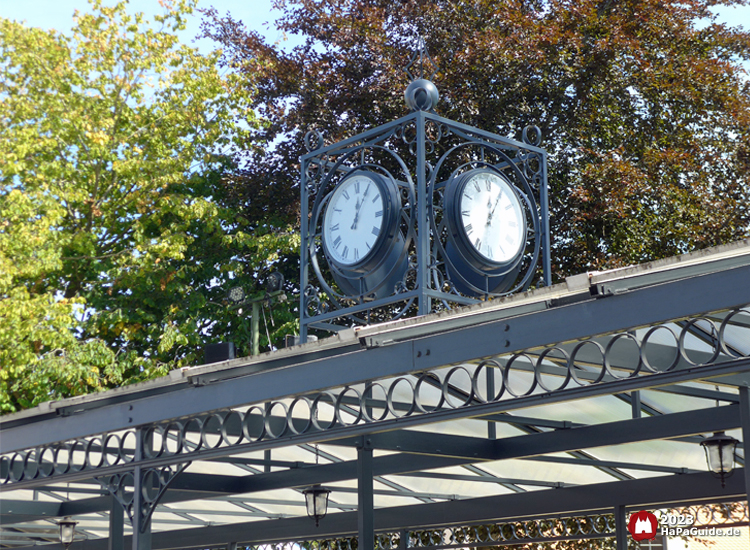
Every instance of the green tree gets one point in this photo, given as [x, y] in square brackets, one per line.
[116, 244]
[644, 105]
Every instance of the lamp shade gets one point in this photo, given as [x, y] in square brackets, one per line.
[316, 500]
[720, 449]
[67, 531]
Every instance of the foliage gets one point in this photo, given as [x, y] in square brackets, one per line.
[116, 242]
[644, 104]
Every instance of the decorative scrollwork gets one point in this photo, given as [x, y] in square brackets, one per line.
[152, 484]
[313, 140]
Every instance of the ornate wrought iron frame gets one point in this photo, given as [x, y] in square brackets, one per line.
[420, 151]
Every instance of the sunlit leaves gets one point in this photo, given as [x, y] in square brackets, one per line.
[113, 234]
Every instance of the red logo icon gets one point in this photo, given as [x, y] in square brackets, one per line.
[643, 525]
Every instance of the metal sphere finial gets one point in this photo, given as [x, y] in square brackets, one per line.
[421, 95]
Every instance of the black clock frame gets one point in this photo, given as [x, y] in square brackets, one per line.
[389, 229]
[453, 191]
[376, 275]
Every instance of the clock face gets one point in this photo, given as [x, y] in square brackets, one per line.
[491, 217]
[353, 219]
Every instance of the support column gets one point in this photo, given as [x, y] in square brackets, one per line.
[635, 403]
[621, 528]
[365, 506]
[140, 521]
[745, 418]
[116, 526]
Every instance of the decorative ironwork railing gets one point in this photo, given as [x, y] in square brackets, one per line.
[489, 386]
[522, 532]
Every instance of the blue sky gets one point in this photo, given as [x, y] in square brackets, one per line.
[255, 14]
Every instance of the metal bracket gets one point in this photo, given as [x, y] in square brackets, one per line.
[151, 484]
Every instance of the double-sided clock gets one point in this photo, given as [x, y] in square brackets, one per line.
[361, 236]
[487, 230]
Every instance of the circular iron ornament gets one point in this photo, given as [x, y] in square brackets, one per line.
[369, 387]
[540, 375]
[125, 488]
[269, 419]
[430, 379]
[194, 425]
[714, 335]
[291, 421]
[644, 352]
[608, 365]
[46, 468]
[173, 434]
[447, 388]
[320, 399]
[340, 407]
[111, 449]
[151, 435]
[532, 135]
[30, 466]
[231, 431]
[506, 376]
[212, 427]
[150, 485]
[488, 366]
[722, 338]
[62, 465]
[94, 453]
[572, 365]
[391, 404]
[260, 417]
[77, 448]
[313, 140]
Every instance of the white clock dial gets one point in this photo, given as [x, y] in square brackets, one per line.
[353, 219]
[491, 217]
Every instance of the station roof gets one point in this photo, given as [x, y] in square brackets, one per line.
[568, 399]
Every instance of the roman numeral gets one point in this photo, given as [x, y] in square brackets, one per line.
[356, 254]
[476, 186]
[478, 244]
[376, 197]
[346, 194]
[375, 230]
[489, 185]
[379, 214]
[345, 253]
[489, 252]
[509, 206]
[469, 229]
[464, 212]
[337, 242]
[335, 227]
[467, 196]
[356, 187]
[509, 238]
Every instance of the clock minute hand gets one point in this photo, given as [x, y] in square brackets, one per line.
[356, 214]
[499, 196]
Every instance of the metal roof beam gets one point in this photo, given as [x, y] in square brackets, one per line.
[652, 304]
[652, 492]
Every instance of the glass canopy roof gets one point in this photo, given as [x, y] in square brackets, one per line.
[563, 401]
